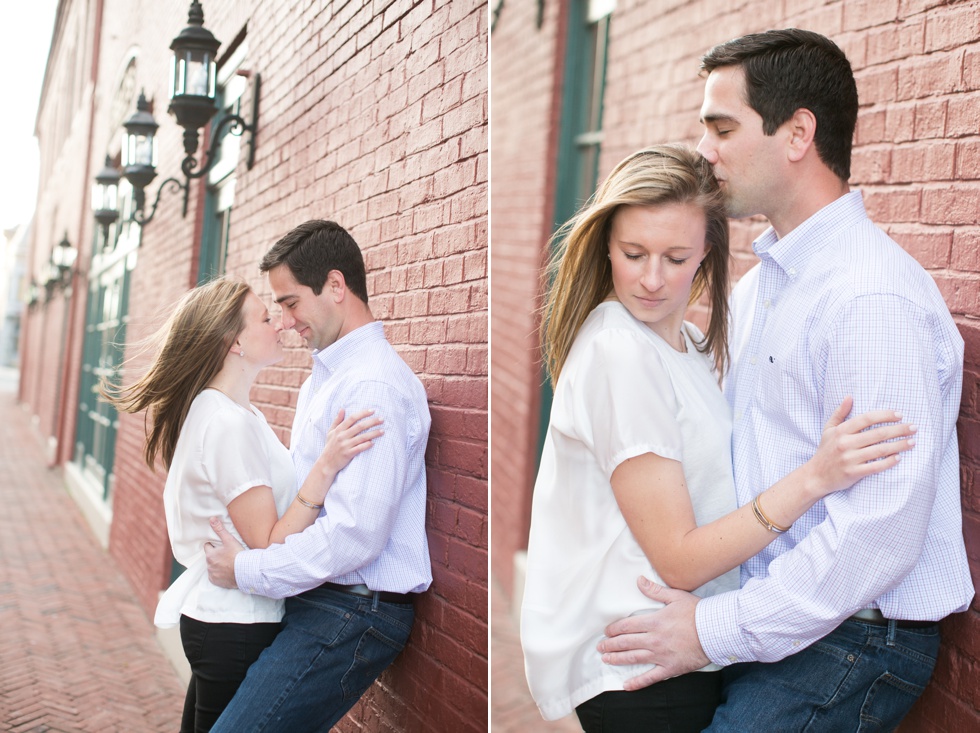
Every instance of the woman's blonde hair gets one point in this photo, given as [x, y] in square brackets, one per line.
[580, 270]
[193, 344]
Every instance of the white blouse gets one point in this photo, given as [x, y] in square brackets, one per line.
[223, 451]
[623, 392]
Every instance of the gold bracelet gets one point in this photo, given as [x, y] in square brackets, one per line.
[764, 520]
[304, 502]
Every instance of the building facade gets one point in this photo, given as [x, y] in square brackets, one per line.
[14, 292]
[576, 86]
[373, 114]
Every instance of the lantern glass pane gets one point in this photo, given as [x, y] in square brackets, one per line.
[144, 150]
[173, 76]
[68, 256]
[212, 76]
[194, 73]
[105, 197]
[138, 149]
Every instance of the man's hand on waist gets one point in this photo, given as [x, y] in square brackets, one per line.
[667, 638]
[221, 557]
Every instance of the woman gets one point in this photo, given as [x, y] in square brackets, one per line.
[224, 460]
[636, 473]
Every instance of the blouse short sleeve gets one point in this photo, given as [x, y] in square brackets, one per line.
[627, 400]
[235, 455]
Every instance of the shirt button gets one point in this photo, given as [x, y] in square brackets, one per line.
[738, 414]
[752, 360]
[796, 643]
[767, 303]
[792, 272]
[733, 659]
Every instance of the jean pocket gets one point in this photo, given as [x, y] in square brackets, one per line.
[326, 622]
[888, 701]
[374, 652]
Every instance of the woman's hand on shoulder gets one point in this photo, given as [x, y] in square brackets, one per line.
[851, 450]
[348, 437]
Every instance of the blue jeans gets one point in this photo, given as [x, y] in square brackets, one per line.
[331, 649]
[861, 677]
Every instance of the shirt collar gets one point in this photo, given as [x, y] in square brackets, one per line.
[348, 347]
[792, 252]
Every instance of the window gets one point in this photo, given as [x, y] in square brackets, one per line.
[580, 136]
[102, 356]
[221, 179]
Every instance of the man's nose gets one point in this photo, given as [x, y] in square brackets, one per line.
[707, 150]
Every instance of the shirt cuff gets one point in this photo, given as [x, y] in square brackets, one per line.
[717, 625]
[247, 571]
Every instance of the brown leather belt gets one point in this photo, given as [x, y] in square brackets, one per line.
[364, 592]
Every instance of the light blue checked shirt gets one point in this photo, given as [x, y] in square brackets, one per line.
[836, 308]
[371, 529]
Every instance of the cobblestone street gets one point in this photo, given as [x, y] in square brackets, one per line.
[77, 653]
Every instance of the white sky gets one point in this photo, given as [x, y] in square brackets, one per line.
[25, 37]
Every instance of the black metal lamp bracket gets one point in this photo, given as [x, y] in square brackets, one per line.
[236, 125]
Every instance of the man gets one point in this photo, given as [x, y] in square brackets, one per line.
[845, 603]
[350, 578]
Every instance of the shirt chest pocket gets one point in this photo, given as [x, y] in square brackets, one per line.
[784, 384]
[307, 443]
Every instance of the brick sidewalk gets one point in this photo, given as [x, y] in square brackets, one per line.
[512, 710]
[77, 653]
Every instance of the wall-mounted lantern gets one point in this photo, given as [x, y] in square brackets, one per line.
[192, 102]
[59, 268]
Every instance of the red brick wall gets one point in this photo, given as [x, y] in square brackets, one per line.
[374, 115]
[526, 79]
[917, 65]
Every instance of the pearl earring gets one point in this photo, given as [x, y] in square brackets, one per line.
[241, 352]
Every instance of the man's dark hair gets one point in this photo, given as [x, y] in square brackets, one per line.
[313, 249]
[786, 70]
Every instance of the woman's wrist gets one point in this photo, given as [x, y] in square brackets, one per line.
[812, 486]
[318, 482]
[308, 504]
[765, 520]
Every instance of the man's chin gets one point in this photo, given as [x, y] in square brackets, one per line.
[735, 210]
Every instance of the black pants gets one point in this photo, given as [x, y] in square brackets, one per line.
[682, 704]
[219, 655]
